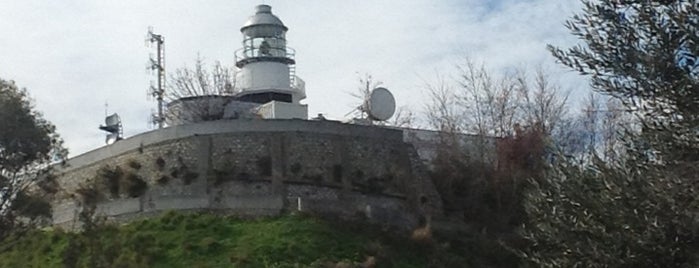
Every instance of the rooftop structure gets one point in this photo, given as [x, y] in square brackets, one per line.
[266, 85]
[266, 73]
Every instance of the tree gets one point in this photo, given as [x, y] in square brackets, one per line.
[367, 83]
[402, 117]
[594, 131]
[643, 53]
[186, 82]
[28, 144]
[442, 112]
[207, 86]
[639, 210]
[493, 132]
[544, 104]
[491, 103]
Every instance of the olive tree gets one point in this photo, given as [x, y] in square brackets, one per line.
[640, 209]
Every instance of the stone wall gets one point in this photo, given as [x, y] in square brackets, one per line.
[427, 143]
[252, 168]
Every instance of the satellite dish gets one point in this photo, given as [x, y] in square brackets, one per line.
[112, 138]
[112, 120]
[113, 126]
[381, 105]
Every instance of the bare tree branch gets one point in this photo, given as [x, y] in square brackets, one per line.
[187, 83]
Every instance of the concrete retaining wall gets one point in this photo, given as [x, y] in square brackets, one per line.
[253, 168]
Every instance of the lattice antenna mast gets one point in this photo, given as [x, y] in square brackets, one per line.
[157, 64]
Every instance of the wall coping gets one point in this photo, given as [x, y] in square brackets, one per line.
[228, 126]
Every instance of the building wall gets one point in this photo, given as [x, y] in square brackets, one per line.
[263, 75]
[428, 142]
[253, 168]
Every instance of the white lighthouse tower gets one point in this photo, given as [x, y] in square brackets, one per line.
[266, 73]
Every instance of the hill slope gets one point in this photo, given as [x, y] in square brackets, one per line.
[204, 240]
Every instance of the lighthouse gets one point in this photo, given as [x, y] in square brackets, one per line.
[266, 68]
[266, 85]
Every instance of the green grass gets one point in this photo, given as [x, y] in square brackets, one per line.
[205, 240]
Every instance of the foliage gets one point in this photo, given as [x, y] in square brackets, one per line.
[480, 103]
[209, 87]
[205, 240]
[442, 111]
[119, 182]
[403, 116]
[481, 177]
[366, 84]
[134, 185]
[28, 143]
[512, 117]
[487, 193]
[595, 131]
[612, 215]
[111, 179]
[644, 54]
[186, 82]
[641, 209]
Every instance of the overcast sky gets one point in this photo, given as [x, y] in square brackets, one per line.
[75, 55]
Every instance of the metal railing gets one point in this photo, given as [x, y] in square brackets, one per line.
[285, 55]
[271, 52]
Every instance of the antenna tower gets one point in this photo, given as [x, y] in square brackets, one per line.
[157, 64]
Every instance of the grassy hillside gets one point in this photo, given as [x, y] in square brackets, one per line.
[204, 240]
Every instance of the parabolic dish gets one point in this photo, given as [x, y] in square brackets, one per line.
[112, 138]
[112, 120]
[381, 105]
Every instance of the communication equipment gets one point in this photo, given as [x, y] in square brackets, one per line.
[112, 138]
[157, 64]
[380, 105]
[155, 118]
[113, 127]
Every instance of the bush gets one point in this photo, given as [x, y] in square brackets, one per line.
[111, 179]
[135, 185]
[635, 214]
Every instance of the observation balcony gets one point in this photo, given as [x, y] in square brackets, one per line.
[247, 55]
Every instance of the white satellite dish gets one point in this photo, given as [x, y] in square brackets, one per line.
[112, 138]
[114, 127]
[112, 120]
[381, 105]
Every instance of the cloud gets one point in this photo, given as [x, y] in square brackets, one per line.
[76, 55]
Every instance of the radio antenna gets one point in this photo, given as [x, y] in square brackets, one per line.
[157, 64]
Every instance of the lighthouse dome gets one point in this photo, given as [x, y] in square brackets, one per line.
[263, 16]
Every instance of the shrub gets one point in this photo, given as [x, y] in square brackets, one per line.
[163, 180]
[31, 206]
[88, 194]
[160, 163]
[134, 164]
[135, 185]
[111, 178]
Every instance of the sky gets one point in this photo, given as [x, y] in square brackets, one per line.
[75, 56]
